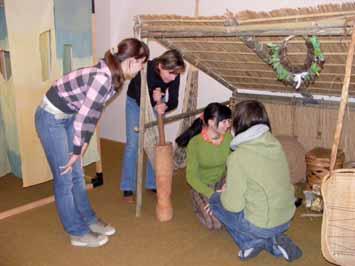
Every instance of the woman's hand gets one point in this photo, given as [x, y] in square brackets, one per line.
[161, 108]
[208, 210]
[157, 95]
[222, 189]
[72, 160]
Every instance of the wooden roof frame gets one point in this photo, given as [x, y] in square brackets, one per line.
[198, 37]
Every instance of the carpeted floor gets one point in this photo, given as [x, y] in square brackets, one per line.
[36, 238]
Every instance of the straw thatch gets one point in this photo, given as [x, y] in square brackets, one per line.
[223, 47]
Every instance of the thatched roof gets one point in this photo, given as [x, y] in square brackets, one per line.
[222, 46]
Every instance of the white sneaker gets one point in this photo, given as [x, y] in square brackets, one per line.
[102, 228]
[90, 239]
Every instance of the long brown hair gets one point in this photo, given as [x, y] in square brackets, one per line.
[247, 114]
[127, 48]
[171, 60]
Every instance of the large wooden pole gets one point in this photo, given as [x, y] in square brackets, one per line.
[140, 160]
[343, 102]
[98, 180]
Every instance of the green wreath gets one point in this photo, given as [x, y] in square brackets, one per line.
[297, 77]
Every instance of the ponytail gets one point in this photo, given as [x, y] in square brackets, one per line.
[116, 70]
[192, 131]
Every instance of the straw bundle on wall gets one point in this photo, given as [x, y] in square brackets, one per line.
[313, 126]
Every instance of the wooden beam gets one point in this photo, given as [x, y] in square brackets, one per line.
[177, 117]
[32, 205]
[334, 26]
[140, 159]
[343, 102]
[221, 19]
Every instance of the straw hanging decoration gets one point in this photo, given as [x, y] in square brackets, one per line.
[297, 77]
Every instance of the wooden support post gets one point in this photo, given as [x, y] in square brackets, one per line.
[343, 102]
[32, 205]
[98, 179]
[140, 161]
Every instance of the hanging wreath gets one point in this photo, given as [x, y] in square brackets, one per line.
[297, 77]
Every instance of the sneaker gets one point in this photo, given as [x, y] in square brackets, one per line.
[249, 253]
[288, 249]
[102, 228]
[90, 239]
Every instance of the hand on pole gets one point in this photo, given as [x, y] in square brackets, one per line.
[157, 95]
[161, 108]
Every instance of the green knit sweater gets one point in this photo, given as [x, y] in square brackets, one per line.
[206, 163]
[258, 182]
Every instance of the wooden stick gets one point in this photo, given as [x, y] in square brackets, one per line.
[248, 21]
[334, 26]
[98, 163]
[32, 205]
[140, 160]
[197, 8]
[343, 102]
[161, 130]
[237, 42]
[179, 116]
[160, 125]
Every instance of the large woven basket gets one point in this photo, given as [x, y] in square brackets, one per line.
[338, 226]
[318, 163]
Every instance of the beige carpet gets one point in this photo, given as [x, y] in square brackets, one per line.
[36, 237]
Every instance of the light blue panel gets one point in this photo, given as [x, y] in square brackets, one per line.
[9, 137]
[72, 20]
[3, 30]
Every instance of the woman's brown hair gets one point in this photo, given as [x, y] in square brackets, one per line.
[171, 60]
[247, 114]
[127, 48]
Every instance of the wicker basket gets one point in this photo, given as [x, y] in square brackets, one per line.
[318, 163]
[338, 225]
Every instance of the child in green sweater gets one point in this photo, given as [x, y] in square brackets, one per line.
[207, 142]
[257, 202]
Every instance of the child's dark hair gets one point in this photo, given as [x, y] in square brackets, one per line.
[216, 111]
[247, 114]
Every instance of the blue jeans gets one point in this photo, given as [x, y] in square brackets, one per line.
[70, 193]
[245, 234]
[129, 170]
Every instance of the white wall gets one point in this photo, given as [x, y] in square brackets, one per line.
[119, 15]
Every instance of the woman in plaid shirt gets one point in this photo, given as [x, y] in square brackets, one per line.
[65, 122]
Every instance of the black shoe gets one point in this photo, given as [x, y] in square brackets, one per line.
[127, 193]
[153, 190]
[298, 202]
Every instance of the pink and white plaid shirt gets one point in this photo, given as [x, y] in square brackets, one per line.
[86, 91]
